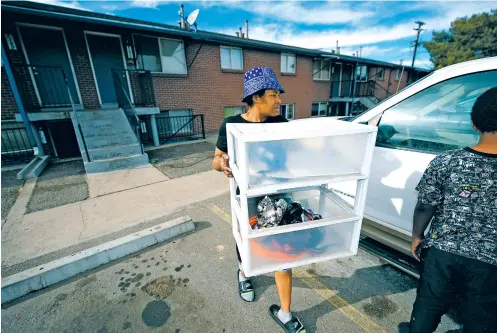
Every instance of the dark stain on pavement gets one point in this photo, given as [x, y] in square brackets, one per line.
[177, 330]
[137, 278]
[178, 269]
[126, 325]
[156, 313]
[56, 303]
[380, 307]
[86, 281]
[160, 288]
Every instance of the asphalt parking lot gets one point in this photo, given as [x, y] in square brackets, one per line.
[189, 285]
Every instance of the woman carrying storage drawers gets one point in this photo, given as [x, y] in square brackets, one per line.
[262, 95]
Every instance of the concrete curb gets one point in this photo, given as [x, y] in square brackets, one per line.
[34, 168]
[42, 276]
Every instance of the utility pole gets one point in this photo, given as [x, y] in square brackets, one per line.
[418, 29]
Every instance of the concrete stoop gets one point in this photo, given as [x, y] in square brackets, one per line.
[110, 141]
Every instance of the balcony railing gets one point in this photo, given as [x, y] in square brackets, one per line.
[16, 147]
[43, 87]
[370, 89]
[142, 86]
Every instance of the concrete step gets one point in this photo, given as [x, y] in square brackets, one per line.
[104, 124]
[114, 114]
[116, 163]
[99, 133]
[106, 141]
[114, 152]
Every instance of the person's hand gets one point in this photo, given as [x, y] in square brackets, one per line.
[225, 165]
[415, 243]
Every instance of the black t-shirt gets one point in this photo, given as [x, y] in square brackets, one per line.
[222, 141]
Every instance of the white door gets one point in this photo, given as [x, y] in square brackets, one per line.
[410, 134]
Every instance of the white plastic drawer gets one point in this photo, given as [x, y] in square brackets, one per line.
[302, 247]
[321, 201]
[285, 161]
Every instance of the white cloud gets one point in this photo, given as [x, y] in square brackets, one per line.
[293, 11]
[324, 39]
[446, 12]
[145, 3]
[423, 63]
[68, 4]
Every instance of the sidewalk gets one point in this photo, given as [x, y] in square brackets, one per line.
[43, 232]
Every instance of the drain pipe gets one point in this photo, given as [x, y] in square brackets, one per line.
[33, 139]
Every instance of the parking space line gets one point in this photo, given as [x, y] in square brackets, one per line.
[330, 296]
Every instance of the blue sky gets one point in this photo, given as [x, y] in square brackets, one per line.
[383, 29]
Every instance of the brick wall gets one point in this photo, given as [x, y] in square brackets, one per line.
[207, 89]
[390, 77]
[9, 107]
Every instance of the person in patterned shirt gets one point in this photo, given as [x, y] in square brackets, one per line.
[458, 194]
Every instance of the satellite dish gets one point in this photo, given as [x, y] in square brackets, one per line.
[192, 18]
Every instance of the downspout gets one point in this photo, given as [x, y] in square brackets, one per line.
[37, 145]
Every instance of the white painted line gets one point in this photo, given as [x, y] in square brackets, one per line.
[42, 276]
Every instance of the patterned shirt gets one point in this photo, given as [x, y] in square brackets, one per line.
[463, 184]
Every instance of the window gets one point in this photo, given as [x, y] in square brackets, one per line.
[160, 54]
[288, 63]
[288, 111]
[231, 58]
[233, 111]
[361, 73]
[398, 75]
[437, 118]
[319, 109]
[321, 70]
[381, 74]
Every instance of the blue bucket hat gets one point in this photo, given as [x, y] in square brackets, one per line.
[259, 78]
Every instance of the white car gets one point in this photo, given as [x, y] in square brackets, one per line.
[426, 118]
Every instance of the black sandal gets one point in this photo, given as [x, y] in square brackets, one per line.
[292, 326]
[244, 287]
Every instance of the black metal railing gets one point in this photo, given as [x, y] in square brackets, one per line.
[124, 102]
[370, 89]
[49, 89]
[142, 86]
[16, 147]
[180, 128]
[75, 117]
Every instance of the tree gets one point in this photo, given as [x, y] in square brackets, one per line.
[467, 39]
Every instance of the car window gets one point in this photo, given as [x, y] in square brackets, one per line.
[435, 119]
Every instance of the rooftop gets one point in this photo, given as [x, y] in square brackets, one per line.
[46, 10]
